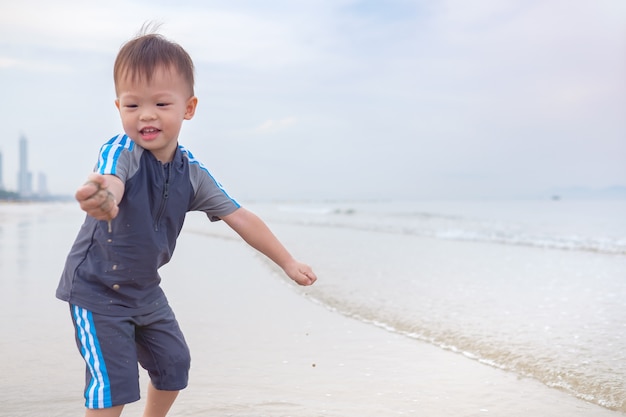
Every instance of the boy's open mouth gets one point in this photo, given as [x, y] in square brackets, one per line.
[148, 133]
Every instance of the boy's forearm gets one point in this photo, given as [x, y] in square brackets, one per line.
[256, 233]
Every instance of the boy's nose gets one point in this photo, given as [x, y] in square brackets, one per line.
[147, 115]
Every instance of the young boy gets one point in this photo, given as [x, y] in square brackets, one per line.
[136, 201]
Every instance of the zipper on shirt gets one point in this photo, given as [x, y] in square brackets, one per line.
[167, 171]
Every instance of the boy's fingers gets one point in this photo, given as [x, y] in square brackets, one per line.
[100, 205]
[98, 179]
[309, 276]
[109, 202]
[87, 191]
[94, 198]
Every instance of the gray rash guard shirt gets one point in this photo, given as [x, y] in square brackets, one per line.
[116, 272]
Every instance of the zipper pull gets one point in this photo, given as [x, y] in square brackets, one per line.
[168, 172]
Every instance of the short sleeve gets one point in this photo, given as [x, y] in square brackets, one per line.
[117, 158]
[209, 195]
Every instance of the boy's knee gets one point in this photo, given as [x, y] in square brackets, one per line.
[174, 375]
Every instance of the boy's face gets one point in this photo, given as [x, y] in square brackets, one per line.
[153, 113]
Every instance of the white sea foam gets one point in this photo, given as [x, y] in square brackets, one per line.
[534, 288]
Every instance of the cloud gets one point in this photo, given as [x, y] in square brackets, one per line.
[214, 34]
[8, 63]
[273, 126]
[64, 24]
[416, 88]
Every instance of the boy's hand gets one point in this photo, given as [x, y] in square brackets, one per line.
[300, 273]
[256, 233]
[95, 198]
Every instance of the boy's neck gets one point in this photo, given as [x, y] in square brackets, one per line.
[162, 157]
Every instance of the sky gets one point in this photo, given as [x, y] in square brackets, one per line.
[337, 99]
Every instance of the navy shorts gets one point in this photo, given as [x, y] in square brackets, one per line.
[113, 346]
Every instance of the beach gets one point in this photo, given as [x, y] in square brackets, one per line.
[260, 345]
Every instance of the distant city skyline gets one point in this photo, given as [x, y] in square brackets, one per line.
[1, 170]
[24, 176]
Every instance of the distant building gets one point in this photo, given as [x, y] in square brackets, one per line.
[42, 185]
[24, 177]
[1, 170]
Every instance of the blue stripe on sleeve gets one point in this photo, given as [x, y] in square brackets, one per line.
[193, 160]
[110, 153]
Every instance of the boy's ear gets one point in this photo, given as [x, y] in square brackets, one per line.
[117, 103]
[190, 110]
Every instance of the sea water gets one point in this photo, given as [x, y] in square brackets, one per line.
[537, 288]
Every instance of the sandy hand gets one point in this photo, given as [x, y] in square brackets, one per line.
[96, 200]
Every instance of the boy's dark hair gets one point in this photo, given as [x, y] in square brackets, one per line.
[141, 56]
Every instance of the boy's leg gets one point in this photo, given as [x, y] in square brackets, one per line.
[158, 402]
[105, 412]
[107, 345]
[163, 352]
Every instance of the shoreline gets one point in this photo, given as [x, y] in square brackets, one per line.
[259, 346]
[279, 351]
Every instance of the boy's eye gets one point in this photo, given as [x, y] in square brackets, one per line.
[162, 104]
[130, 106]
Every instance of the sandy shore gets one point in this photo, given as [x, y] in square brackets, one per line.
[260, 347]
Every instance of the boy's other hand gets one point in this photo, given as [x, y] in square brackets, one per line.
[95, 198]
[301, 273]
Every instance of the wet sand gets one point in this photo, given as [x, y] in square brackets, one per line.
[260, 347]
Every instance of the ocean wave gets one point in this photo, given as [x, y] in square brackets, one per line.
[569, 242]
[609, 394]
[544, 314]
[449, 227]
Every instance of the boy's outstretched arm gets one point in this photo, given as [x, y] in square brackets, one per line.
[100, 195]
[256, 233]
